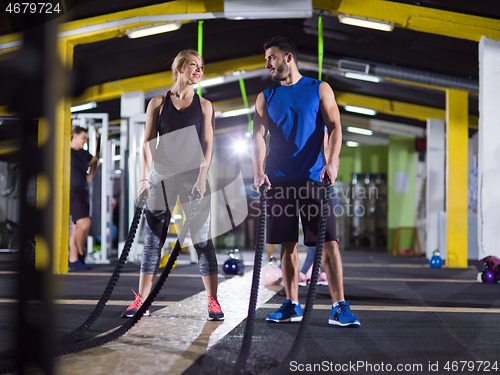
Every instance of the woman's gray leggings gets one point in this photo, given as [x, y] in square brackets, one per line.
[163, 194]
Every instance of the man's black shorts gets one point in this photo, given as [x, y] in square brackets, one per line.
[78, 204]
[287, 201]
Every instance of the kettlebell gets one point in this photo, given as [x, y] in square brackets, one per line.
[272, 274]
[234, 264]
[436, 261]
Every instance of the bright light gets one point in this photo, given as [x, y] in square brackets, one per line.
[362, 77]
[237, 112]
[352, 144]
[83, 107]
[240, 146]
[352, 129]
[365, 22]
[146, 31]
[361, 110]
[210, 82]
[248, 134]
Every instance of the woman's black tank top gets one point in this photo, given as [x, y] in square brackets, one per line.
[179, 133]
[172, 119]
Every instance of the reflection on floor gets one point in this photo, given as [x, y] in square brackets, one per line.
[171, 339]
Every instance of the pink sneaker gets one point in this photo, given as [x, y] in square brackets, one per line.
[303, 280]
[214, 310]
[322, 280]
[134, 306]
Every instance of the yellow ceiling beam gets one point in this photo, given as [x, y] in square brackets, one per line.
[114, 90]
[417, 18]
[234, 65]
[114, 25]
[395, 108]
[172, 7]
[231, 104]
[163, 80]
[5, 112]
[411, 17]
[423, 85]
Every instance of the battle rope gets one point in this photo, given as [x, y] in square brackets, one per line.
[311, 294]
[98, 341]
[240, 365]
[72, 336]
[250, 323]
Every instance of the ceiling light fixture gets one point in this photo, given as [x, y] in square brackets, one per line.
[352, 129]
[362, 77]
[366, 22]
[352, 144]
[83, 107]
[237, 112]
[210, 82]
[152, 30]
[360, 110]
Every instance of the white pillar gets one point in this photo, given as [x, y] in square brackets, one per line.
[489, 148]
[435, 186]
[132, 103]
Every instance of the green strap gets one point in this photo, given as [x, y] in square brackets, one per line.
[245, 101]
[200, 48]
[320, 46]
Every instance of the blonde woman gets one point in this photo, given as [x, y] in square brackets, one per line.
[176, 156]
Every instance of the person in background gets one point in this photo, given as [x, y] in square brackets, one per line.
[81, 175]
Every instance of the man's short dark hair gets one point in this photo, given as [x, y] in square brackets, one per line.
[77, 130]
[284, 44]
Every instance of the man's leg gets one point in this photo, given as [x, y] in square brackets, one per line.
[290, 311]
[73, 246]
[290, 265]
[81, 234]
[340, 313]
[332, 263]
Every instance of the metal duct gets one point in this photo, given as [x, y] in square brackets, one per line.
[407, 74]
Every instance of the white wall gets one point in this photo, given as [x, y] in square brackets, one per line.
[435, 187]
[489, 148]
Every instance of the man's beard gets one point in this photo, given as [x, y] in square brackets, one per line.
[280, 72]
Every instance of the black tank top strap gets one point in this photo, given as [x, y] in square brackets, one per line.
[171, 119]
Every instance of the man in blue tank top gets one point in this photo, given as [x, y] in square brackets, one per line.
[295, 111]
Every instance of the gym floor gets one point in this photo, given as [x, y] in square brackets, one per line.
[414, 320]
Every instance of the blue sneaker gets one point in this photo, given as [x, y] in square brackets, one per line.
[288, 312]
[342, 316]
[77, 266]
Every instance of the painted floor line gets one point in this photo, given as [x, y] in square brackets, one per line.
[88, 302]
[412, 279]
[398, 265]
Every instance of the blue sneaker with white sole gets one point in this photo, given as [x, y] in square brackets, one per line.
[288, 313]
[341, 316]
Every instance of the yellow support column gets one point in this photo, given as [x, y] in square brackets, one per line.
[456, 177]
[62, 162]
